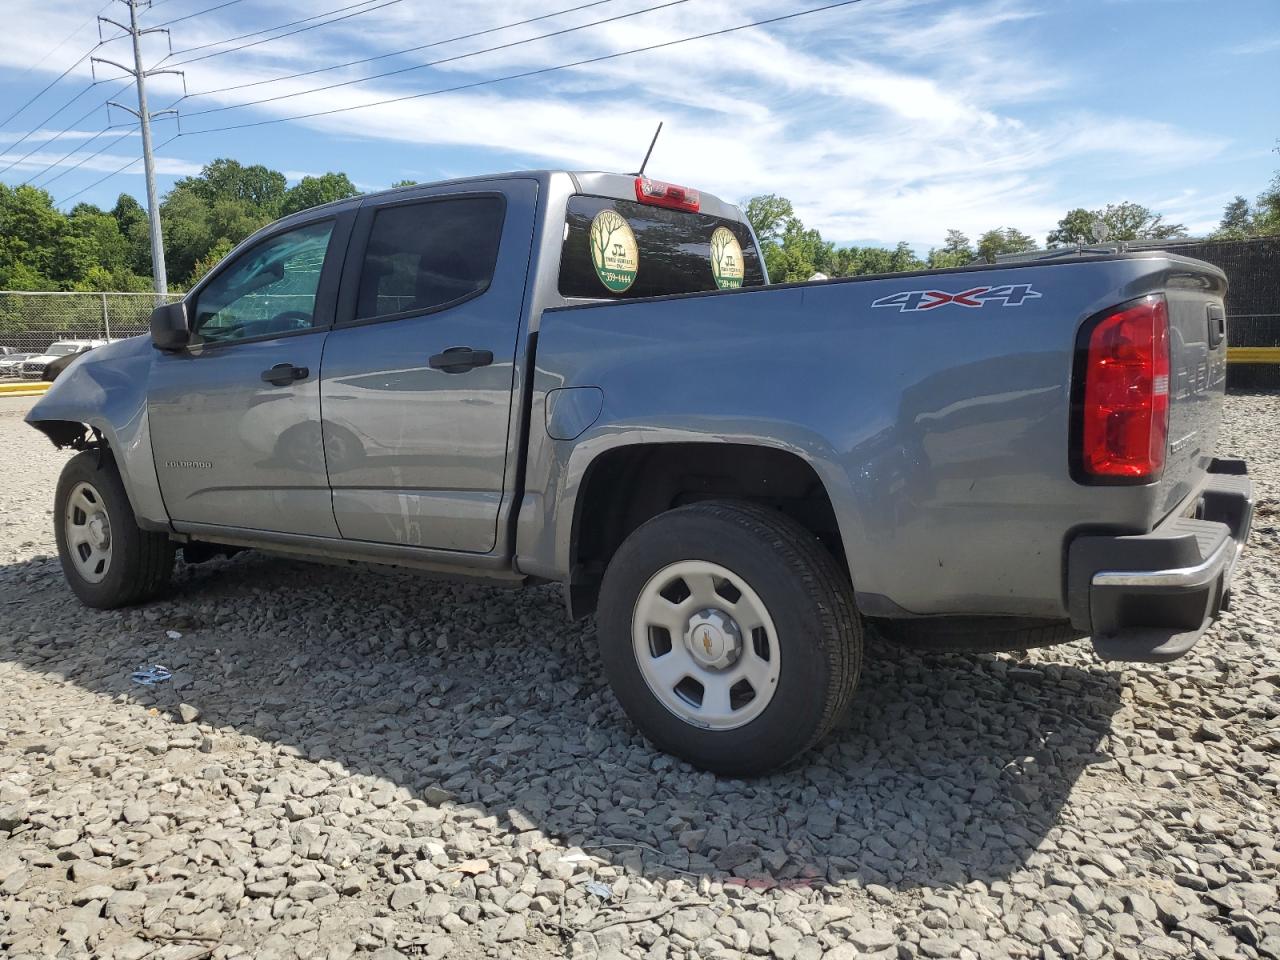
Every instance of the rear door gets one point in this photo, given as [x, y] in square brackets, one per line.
[417, 381]
[235, 416]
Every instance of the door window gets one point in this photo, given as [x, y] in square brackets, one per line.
[423, 256]
[270, 289]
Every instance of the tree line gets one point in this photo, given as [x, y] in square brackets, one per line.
[793, 251]
[203, 217]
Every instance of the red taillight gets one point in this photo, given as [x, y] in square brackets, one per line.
[661, 194]
[1125, 417]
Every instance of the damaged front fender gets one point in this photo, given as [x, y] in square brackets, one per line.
[102, 398]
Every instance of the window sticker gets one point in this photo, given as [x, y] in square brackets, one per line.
[726, 259]
[614, 251]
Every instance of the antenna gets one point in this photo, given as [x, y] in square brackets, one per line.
[647, 153]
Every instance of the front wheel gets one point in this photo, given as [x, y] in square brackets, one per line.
[107, 559]
[729, 636]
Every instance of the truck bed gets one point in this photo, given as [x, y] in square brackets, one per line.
[939, 429]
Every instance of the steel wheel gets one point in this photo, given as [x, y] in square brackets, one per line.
[706, 645]
[88, 530]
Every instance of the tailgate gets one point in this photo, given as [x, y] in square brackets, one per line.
[1197, 375]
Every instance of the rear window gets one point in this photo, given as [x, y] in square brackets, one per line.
[623, 249]
[426, 255]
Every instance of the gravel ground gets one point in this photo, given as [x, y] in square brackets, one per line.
[351, 762]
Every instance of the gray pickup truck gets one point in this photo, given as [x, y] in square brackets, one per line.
[586, 378]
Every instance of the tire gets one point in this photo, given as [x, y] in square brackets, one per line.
[805, 656]
[137, 564]
[976, 634]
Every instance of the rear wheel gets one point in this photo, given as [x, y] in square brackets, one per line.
[107, 559]
[729, 636]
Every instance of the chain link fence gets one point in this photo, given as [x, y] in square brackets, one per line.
[31, 322]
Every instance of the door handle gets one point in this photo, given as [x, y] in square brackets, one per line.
[460, 359]
[283, 374]
[1217, 324]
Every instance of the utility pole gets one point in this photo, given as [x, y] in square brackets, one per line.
[140, 75]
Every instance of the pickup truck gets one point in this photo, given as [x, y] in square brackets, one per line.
[586, 378]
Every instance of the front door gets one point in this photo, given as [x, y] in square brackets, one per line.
[418, 373]
[235, 417]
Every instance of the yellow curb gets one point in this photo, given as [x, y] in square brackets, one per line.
[1253, 355]
[30, 388]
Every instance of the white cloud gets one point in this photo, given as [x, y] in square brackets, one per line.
[102, 163]
[43, 136]
[886, 120]
[1263, 44]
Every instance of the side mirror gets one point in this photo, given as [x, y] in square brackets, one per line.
[169, 327]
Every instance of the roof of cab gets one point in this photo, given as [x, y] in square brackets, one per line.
[618, 185]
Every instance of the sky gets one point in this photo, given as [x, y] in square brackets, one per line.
[881, 120]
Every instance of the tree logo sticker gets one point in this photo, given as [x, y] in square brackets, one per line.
[726, 259]
[614, 251]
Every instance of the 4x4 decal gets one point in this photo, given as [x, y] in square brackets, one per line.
[1009, 295]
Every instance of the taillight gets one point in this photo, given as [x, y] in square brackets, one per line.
[1123, 426]
[661, 194]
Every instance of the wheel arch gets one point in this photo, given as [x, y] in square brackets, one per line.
[623, 486]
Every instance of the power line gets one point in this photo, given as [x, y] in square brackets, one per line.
[113, 173]
[397, 53]
[433, 63]
[40, 126]
[85, 159]
[255, 33]
[73, 151]
[140, 74]
[63, 42]
[530, 73]
[479, 83]
[51, 84]
[199, 13]
[63, 132]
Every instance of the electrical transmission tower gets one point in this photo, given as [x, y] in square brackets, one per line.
[145, 116]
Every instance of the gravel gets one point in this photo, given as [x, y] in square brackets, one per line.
[349, 763]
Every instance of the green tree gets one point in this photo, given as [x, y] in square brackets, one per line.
[313, 191]
[210, 260]
[769, 215]
[1266, 212]
[956, 251]
[186, 219]
[1124, 221]
[793, 251]
[801, 253]
[1237, 220]
[1133, 221]
[404, 183]
[854, 261]
[227, 179]
[1075, 228]
[1003, 240]
[30, 231]
[221, 206]
[90, 244]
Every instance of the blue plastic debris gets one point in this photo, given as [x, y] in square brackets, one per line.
[601, 890]
[150, 676]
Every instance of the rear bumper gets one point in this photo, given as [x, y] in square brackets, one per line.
[1148, 598]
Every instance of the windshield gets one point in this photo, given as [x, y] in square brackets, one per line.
[624, 249]
[62, 349]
